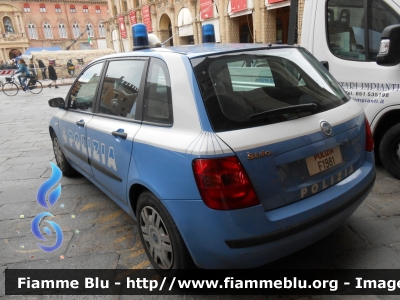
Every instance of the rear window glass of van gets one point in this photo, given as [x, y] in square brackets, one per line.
[256, 88]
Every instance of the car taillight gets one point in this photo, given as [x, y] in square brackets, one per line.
[223, 183]
[369, 137]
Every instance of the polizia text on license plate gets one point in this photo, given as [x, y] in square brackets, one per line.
[324, 160]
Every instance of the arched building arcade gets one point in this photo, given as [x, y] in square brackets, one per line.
[180, 21]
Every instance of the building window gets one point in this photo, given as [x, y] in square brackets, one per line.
[72, 8]
[90, 31]
[75, 29]
[32, 31]
[58, 8]
[62, 31]
[97, 9]
[42, 8]
[48, 34]
[8, 26]
[85, 9]
[27, 8]
[125, 6]
[101, 30]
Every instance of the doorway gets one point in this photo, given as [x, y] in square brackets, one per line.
[14, 53]
[166, 30]
[282, 24]
[246, 29]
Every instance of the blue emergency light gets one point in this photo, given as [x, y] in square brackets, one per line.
[140, 37]
[208, 33]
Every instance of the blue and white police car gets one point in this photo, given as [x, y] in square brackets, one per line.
[227, 155]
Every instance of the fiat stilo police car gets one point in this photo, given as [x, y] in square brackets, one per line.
[227, 155]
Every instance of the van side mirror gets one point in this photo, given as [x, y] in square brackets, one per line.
[325, 64]
[389, 54]
[57, 102]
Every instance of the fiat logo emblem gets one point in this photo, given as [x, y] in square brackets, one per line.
[326, 128]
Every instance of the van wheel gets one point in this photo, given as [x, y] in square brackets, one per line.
[61, 160]
[160, 237]
[389, 151]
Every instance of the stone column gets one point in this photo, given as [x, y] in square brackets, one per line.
[300, 20]
[270, 26]
[222, 12]
[174, 28]
[232, 30]
[256, 21]
[199, 31]
[194, 13]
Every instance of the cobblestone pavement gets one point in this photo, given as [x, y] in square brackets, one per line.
[98, 234]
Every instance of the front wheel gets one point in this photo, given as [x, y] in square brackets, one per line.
[10, 89]
[160, 237]
[389, 150]
[35, 88]
[61, 160]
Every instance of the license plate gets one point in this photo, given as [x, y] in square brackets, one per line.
[323, 161]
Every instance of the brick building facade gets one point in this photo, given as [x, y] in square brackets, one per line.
[33, 23]
[235, 21]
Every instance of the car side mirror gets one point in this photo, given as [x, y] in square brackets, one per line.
[57, 102]
[389, 54]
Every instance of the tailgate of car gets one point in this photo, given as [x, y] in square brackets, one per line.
[290, 161]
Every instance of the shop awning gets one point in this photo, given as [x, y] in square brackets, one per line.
[237, 8]
[274, 4]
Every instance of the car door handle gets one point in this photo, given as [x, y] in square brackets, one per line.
[122, 135]
[80, 123]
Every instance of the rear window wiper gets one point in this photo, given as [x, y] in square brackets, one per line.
[310, 107]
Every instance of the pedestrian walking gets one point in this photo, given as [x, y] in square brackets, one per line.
[42, 67]
[25, 74]
[52, 75]
[32, 69]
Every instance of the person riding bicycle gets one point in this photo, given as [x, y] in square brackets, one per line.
[25, 74]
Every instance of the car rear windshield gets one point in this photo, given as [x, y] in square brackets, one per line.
[261, 87]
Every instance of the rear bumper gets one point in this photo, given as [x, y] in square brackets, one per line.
[252, 237]
[292, 230]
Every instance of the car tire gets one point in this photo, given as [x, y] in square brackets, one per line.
[61, 160]
[160, 237]
[389, 151]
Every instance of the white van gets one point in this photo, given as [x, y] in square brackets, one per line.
[335, 31]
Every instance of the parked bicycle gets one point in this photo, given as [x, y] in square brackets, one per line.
[11, 87]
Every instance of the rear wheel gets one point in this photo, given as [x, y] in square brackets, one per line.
[160, 237]
[389, 151]
[61, 160]
[10, 89]
[35, 88]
